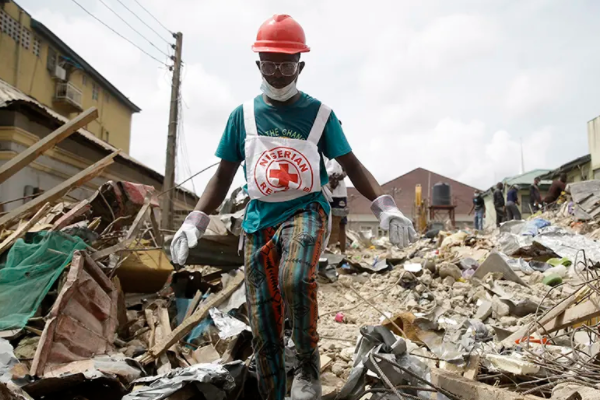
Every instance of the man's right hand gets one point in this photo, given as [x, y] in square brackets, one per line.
[188, 235]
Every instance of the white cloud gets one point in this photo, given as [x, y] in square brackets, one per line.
[531, 91]
[453, 39]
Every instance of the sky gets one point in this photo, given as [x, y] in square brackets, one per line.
[456, 87]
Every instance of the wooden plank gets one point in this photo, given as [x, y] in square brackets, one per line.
[58, 191]
[129, 238]
[193, 305]
[24, 158]
[124, 245]
[580, 313]
[189, 324]
[21, 231]
[466, 389]
[81, 208]
[552, 314]
[139, 218]
[472, 369]
[158, 235]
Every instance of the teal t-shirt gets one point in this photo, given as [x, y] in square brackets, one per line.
[293, 121]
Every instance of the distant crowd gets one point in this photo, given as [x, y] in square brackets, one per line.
[509, 209]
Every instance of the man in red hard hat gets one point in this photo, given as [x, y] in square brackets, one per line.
[282, 135]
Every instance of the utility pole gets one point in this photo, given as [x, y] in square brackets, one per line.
[169, 181]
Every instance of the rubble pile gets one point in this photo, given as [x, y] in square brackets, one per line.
[91, 308]
[89, 299]
[514, 310]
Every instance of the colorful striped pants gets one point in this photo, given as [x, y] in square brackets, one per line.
[281, 276]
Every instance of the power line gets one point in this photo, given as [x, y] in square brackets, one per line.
[191, 177]
[132, 28]
[150, 14]
[144, 22]
[118, 34]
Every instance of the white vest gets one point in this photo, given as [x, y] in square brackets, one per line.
[280, 168]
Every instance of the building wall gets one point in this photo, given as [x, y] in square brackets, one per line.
[403, 191]
[19, 130]
[594, 144]
[114, 122]
[580, 173]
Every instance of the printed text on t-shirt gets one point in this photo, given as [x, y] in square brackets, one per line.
[284, 132]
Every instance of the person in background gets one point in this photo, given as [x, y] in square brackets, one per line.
[512, 203]
[499, 204]
[535, 198]
[339, 205]
[558, 186]
[479, 208]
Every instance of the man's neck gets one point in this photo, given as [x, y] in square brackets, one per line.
[291, 100]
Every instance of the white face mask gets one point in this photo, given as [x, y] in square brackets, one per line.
[283, 94]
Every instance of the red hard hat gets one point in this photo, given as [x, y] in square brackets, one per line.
[280, 34]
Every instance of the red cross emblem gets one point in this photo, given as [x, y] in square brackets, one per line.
[283, 175]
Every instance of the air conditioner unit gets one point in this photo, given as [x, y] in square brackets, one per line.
[60, 73]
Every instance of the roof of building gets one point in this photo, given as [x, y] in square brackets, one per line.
[568, 166]
[526, 178]
[11, 95]
[403, 189]
[523, 181]
[81, 63]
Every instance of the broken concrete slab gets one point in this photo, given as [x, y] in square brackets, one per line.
[522, 307]
[495, 263]
[484, 311]
[512, 364]
[499, 307]
[587, 196]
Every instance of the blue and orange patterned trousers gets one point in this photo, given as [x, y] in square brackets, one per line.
[281, 276]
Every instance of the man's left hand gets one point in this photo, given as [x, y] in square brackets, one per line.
[402, 232]
[401, 229]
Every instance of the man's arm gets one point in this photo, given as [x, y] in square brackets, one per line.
[217, 187]
[362, 179]
[472, 209]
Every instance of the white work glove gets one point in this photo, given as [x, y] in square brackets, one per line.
[187, 236]
[391, 219]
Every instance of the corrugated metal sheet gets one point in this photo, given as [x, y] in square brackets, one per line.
[83, 320]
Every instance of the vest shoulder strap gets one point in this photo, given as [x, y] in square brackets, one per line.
[319, 125]
[249, 119]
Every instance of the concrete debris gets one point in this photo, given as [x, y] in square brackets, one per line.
[496, 264]
[447, 269]
[506, 314]
[512, 364]
[464, 303]
[569, 391]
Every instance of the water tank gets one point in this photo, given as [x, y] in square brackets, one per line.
[441, 194]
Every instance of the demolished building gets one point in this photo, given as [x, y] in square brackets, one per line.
[92, 308]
